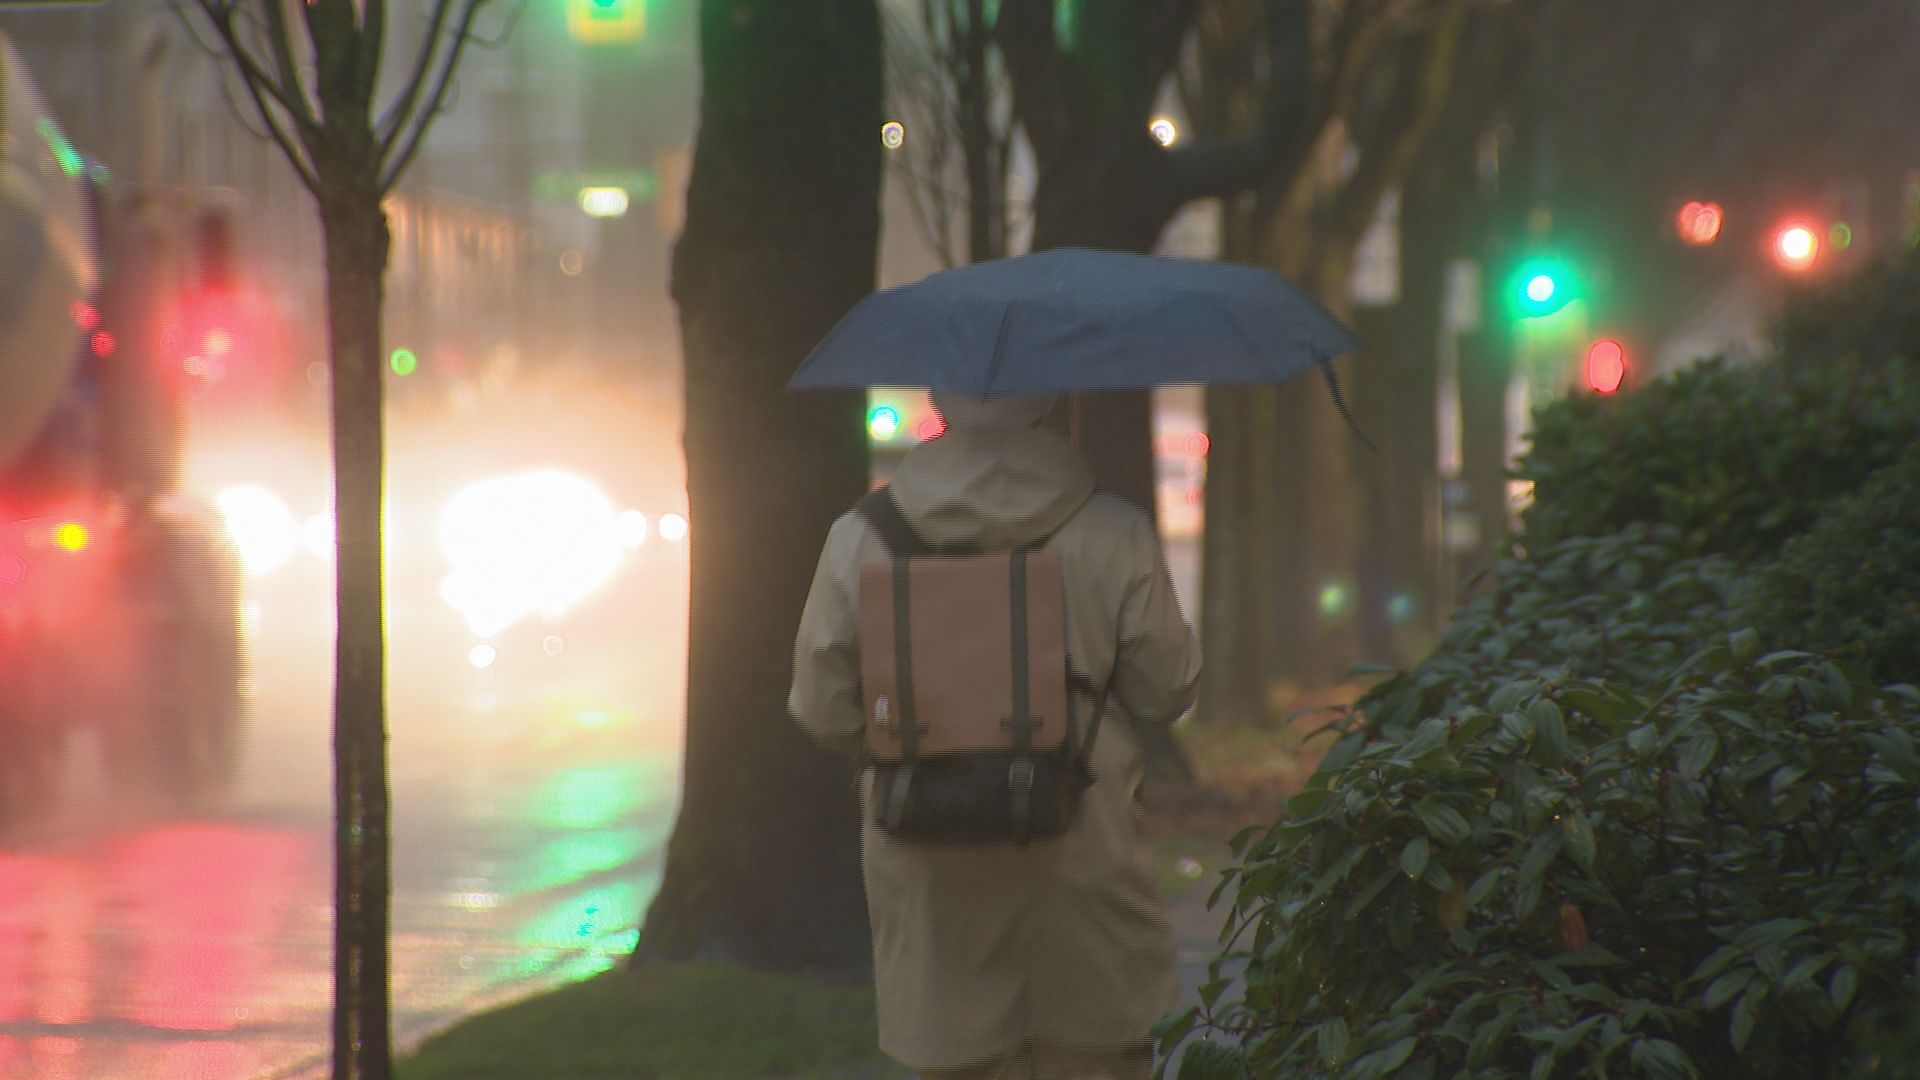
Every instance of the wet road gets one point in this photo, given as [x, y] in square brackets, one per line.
[535, 774]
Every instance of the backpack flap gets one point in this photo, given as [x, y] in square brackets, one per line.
[957, 643]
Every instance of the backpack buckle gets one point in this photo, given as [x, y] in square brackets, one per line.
[1020, 775]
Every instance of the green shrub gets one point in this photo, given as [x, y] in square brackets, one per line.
[1628, 606]
[1719, 876]
[1852, 582]
[1739, 459]
[1876, 313]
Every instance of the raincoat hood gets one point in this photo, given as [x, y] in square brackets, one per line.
[993, 486]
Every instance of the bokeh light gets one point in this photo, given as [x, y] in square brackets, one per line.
[1400, 609]
[1840, 236]
[631, 527]
[1164, 130]
[673, 527]
[538, 541]
[1333, 599]
[604, 202]
[1606, 366]
[260, 525]
[893, 134]
[482, 655]
[883, 423]
[71, 536]
[403, 362]
[1540, 288]
[1796, 247]
[1699, 223]
[316, 535]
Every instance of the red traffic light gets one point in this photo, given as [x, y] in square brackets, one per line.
[1606, 366]
[1699, 223]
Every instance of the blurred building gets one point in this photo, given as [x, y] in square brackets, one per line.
[497, 265]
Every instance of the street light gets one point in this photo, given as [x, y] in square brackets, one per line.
[604, 202]
[1795, 247]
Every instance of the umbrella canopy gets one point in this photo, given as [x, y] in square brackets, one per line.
[1071, 319]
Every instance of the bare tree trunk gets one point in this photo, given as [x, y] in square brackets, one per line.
[355, 236]
[763, 868]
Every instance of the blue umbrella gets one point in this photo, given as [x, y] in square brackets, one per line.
[1071, 319]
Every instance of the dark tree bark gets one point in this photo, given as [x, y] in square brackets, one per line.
[781, 238]
[355, 235]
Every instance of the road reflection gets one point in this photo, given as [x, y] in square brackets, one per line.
[202, 948]
[173, 929]
[532, 797]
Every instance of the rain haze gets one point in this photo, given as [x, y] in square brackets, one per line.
[1530, 212]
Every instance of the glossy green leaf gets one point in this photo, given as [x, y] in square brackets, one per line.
[1840, 990]
[1413, 857]
[1442, 821]
[1578, 834]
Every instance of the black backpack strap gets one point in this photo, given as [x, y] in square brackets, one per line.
[884, 515]
[903, 544]
[1020, 772]
[908, 718]
[1079, 683]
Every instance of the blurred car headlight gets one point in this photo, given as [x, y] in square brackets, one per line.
[261, 525]
[538, 541]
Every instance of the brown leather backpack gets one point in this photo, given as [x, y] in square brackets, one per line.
[972, 730]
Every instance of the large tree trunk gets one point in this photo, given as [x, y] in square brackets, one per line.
[1395, 398]
[355, 236]
[1237, 570]
[781, 237]
[1107, 190]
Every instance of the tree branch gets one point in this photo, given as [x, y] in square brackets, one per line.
[1034, 63]
[287, 94]
[280, 43]
[450, 60]
[1167, 34]
[388, 128]
[373, 40]
[1411, 110]
[260, 89]
[1215, 168]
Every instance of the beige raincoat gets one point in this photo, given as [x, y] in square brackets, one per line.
[1064, 943]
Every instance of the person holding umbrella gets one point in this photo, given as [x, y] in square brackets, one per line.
[1050, 959]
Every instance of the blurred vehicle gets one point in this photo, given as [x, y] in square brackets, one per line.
[119, 602]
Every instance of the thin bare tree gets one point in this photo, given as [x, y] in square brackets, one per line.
[309, 74]
[954, 148]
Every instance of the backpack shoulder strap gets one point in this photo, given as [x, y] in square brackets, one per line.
[884, 515]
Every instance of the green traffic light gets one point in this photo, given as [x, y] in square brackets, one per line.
[1542, 287]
